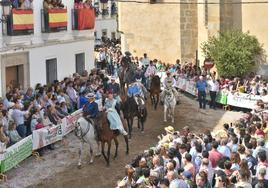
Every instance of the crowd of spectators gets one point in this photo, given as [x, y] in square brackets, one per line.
[22, 4]
[45, 105]
[235, 156]
[80, 4]
[53, 4]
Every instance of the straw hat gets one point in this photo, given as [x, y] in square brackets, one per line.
[169, 129]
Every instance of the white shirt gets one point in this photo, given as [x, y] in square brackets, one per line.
[145, 61]
[213, 85]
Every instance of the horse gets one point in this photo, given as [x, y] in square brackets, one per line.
[86, 134]
[107, 135]
[131, 109]
[155, 90]
[169, 105]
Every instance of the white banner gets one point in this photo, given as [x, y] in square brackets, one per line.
[68, 123]
[243, 100]
[45, 136]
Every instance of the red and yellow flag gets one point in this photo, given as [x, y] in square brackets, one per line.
[22, 19]
[57, 18]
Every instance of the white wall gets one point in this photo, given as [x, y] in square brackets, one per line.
[108, 23]
[65, 54]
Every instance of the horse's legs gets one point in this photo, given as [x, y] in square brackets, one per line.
[152, 99]
[127, 146]
[165, 113]
[108, 153]
[98, 154]
[172, 114]
[80, 155]
[129, 127]
[142, 125]
[102, 151]
[157, 100]
[91, 154]
[116, 147]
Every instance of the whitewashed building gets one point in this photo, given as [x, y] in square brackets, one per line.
[106, 19]
[33, 50]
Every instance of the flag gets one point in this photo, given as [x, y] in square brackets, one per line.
[22, 19]
[57, 18]
[85, 18]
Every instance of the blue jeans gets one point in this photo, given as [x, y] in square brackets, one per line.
[202, 99]
[21, 130]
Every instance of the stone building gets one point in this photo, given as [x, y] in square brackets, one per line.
[169, 30]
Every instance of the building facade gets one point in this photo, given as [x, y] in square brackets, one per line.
[168, 30]
[38, 46]
[106, 19]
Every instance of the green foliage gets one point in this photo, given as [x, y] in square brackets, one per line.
[234, 52]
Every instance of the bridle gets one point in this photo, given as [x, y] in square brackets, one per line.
[79, 133]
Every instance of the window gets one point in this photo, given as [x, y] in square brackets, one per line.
[51, 70]
[113, 35]
[104, 33]
[80, 63]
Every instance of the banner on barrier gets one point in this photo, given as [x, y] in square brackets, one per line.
[68, 123]
[221, 98]
[243, 100]
[16, 153]
[45, 136]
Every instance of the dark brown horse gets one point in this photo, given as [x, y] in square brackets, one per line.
[107, 135]
[130, 110]
[155, 90]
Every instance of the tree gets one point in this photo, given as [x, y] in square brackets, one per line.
[235, 53]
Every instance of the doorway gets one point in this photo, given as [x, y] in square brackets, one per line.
[51, 70]
[80, 63]
[14, 77]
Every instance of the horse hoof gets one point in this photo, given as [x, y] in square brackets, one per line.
[98, 155]
[90, 162]
[142, 132]
[79, 166]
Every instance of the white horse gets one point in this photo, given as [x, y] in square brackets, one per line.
[86, 134]
[169, 104]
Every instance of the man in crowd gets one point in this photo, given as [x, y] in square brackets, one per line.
[213, 86]
[201, 86]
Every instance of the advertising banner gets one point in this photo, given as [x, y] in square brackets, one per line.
[16, 153]
[45, 136]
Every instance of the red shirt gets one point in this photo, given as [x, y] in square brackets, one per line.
[214, 157]
[259, 132]
[39, 126]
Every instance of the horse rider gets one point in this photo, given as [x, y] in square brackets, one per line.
[139, 75]
[137, 90]
[114, 88]
[112, 115]
[150, 72]
[168, 84]
[126, 60]
[91, 111]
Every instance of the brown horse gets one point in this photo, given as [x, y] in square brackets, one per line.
[155, 90]
[107, 135]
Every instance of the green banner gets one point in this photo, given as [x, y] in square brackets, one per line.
[16, 153]
[221, 98]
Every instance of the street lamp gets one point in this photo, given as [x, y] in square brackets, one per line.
[6, 7]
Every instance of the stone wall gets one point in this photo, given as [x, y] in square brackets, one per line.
[189, 31]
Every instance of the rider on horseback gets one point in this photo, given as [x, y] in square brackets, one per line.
[114, 88]
[169, 83]
[138, 91]
[150, 72]
[112, 115]
[91, 111]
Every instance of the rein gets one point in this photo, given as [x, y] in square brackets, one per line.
[82, 134]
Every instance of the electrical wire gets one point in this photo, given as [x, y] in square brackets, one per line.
[195, 3]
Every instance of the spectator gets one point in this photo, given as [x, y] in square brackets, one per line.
[214, 154]
[13, 133]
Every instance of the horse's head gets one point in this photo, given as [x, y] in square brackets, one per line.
[169, 94]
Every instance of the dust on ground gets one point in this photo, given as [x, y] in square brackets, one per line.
[58, 169]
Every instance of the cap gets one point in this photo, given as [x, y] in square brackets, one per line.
[187, 174]
[90, 95]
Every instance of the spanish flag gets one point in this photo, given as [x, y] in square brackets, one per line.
[57, 18]
[22, 19]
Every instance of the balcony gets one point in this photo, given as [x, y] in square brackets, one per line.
[19, 22]
[53, 20]
[83, 19]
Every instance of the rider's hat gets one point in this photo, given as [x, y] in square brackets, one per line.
[138, 79]
[127, 53]
[90, 96]
[169, 129]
